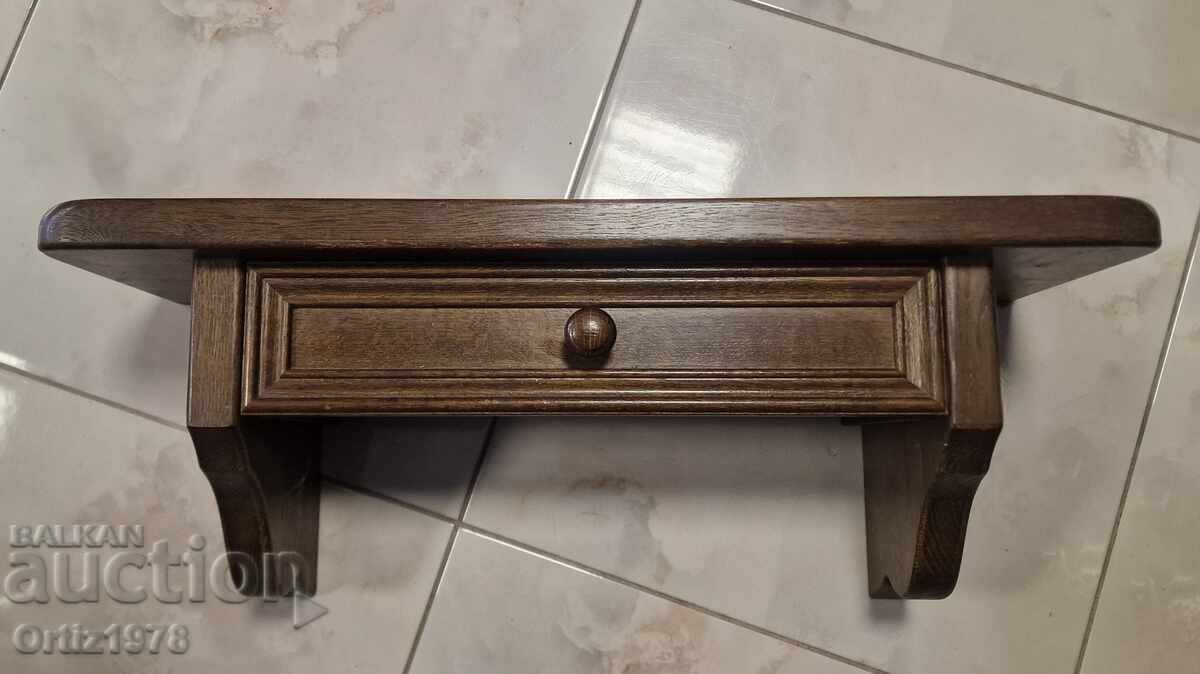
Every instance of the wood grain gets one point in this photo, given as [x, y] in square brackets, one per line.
[920, 476]
[394, 340]
[215, 367]
[149, 243]
[528, 338]
[265, 473]
[589, 333]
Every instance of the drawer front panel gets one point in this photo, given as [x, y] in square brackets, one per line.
[421, 340]
[660, 338]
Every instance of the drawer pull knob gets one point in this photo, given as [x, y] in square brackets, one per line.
[591, 332]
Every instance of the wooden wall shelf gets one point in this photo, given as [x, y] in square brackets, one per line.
[877, 309]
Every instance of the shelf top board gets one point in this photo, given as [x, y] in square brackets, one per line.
[1036, 241]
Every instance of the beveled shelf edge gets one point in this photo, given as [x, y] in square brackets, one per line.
[1038, 241]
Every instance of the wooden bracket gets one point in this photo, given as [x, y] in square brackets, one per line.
[921, 475]
[265, 473]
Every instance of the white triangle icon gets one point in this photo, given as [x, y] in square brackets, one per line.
[305, 610]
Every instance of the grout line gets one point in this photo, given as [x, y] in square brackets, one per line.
[92, 397]
[462, 512]
[460, 526]
[365, 491]
[12, 55]
[437, 585]
[455, 525]
[593, 571]
[483, 450]
[1172, 322]
[589, 138]
[774, 9]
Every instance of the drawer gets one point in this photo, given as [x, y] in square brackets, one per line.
[399, 339]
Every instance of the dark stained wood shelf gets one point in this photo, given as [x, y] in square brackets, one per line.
[880, 310]
[1038, 242]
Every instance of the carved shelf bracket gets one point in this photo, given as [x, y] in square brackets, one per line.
[265, 473]
[920, 475]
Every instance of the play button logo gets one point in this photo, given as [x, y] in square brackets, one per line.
[305, 610]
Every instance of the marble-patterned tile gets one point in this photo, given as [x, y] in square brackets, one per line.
[426, 462]
[378, 560]
[505, 611]
[696, 507]
[12, 17]
[718, 98]
[350, 98]
[1132, 58]
[1148, 618]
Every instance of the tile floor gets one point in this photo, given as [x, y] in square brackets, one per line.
[652, 545]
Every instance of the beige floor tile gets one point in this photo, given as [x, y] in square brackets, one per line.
[1132, 58]
[426, 462]
[12, 17]
[503, 611]
[1148, 619]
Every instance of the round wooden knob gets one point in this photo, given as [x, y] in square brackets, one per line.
[591, 332]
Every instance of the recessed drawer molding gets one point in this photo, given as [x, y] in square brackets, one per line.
[359, 340]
